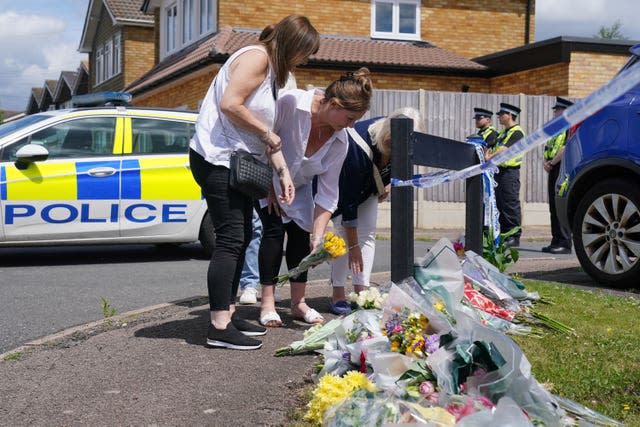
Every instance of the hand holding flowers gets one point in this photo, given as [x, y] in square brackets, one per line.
[332, 247]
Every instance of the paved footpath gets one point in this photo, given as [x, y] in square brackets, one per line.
[151, 367]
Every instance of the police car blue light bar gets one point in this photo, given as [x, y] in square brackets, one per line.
[98, 99]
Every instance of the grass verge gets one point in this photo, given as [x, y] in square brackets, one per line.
[600, 367]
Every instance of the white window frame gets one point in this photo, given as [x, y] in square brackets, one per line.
[207, 7]
[189, 20]
[117, 54]
[395, 33]
[99, 65]
[108, 59]
[198, 10]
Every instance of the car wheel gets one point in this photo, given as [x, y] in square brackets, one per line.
[606, 232]
[207, 235]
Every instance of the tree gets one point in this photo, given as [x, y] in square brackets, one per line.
[611, 33]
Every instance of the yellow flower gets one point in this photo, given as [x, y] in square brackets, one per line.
[439, 306]
[332, 390]
[334, 245]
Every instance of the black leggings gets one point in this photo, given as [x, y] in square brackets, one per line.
[271, 247]
[231, 213]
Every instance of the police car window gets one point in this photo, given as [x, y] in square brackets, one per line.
[86, 137]
[155, 136]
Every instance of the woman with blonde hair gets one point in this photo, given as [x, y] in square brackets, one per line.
[238, 113]
[364, 182]
[312, 125]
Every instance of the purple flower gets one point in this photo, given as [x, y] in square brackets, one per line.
[432, 343]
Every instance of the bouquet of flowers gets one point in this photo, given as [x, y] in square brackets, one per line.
[368, 299]
[332, 390]
[332, 247]
[407, 333]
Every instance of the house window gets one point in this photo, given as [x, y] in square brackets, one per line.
[206, 16]
[171, 22]
[99, 65]
[117, 53]
[188, 18]
[108, 59]
[395, 19]
[184, 21]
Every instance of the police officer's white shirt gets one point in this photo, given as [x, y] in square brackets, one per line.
[293, 125]
[214, 140]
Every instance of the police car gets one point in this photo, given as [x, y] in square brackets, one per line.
[102, 175]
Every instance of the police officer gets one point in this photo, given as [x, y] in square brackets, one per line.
[553, 152]
[508, 178]
[485, 128]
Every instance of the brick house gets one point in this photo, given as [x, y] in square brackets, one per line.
[119, 40]
[56, 94]
[195, 38]
[488, 51]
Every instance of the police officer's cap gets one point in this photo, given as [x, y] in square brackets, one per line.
[508, 108]
[562, 103]
[479, 113]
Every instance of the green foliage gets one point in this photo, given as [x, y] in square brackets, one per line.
[17, 355]
[599, 366]
[107, 310]
[611, 33]
[498, 254]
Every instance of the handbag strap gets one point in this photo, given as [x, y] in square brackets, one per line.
[365, 147]
[274, 93]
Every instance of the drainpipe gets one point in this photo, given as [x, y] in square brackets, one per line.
[527, 22]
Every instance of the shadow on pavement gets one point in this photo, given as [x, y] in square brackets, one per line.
[575, 276]
[193, 329]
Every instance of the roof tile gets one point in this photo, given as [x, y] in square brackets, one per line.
[128, 10]
[399, 55]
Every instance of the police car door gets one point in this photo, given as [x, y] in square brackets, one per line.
[73, 195]
[161, 200]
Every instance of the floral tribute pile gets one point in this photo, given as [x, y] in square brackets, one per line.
[433, 350]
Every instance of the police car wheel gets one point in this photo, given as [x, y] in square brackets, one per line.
[207, 235]
[606, 232]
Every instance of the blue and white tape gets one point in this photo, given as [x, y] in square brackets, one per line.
[573, 115]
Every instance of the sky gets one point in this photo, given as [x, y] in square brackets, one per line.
[40, 38]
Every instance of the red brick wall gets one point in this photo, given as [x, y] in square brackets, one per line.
[588, 71]
[549, 80]
[138, 52]
[470, 28]
[190, 90]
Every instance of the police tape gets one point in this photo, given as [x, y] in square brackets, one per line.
[573, 115]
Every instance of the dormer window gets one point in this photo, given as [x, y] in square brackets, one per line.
[182, 22]
[395, 19]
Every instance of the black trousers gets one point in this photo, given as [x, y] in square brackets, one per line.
[560, 236]
[508, 199]
[271, 247]
[232, 214]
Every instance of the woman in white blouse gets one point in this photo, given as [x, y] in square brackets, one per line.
[312, 127]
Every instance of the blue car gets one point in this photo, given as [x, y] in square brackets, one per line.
[598, 189]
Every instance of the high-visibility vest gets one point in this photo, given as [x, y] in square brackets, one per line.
[554, 145]
[485, 133]
[503, 139]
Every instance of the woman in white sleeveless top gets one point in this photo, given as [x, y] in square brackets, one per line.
[237, 113]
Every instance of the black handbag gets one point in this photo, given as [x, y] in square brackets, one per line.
[249, 175]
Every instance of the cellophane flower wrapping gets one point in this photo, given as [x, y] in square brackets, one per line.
[462, 371]
[333, 246]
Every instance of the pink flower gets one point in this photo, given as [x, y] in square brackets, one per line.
[485, 402]
[397, 329]
[427, 388]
